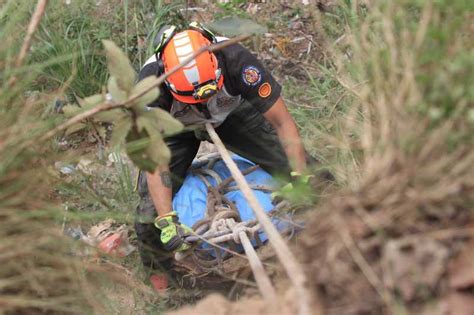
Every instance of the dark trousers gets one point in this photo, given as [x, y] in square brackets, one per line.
[245, 132]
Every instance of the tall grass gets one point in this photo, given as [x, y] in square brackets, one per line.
[41, 272]
[407, 66]
[409, 75]
[30, 271]
[74, 32]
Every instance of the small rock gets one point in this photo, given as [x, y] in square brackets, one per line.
[297, 25]
[414, 266]
[461, 269]
[58, 105]
[63, 145]
[85, 166]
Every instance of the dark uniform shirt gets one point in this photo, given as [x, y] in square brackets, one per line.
[245, 79]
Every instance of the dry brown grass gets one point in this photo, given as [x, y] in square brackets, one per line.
[410, 182]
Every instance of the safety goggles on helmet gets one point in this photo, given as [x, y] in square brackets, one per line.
[201, 91]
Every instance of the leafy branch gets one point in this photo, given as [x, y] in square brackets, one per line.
[108, 105]
[141, 129]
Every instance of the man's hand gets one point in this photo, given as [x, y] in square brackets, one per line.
[172, 232]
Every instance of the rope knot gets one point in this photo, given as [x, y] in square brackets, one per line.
[239, 227]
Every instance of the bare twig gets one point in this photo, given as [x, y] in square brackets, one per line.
[34, 22]
[293, 103]
[293, 268]
[361, 262]
[110, 105]
[80, 117]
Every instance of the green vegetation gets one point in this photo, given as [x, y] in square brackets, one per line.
[386, 104]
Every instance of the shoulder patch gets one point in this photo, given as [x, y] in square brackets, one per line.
[251, 75]
[265, 90]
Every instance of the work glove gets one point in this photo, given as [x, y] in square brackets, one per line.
[296, 189]
[173, 232]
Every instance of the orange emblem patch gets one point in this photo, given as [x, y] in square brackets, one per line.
[265, 90]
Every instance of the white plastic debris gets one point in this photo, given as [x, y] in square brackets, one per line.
[64, 169]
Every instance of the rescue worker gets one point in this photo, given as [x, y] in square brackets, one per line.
[230, 89]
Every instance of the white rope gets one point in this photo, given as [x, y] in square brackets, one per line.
[288, 260]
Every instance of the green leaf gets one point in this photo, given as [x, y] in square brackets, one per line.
[118, 95]
[110, 116]
[71, 110]
[75, 128]
[136, 147]
[147, 152]
[120, 131]
[158, 151]
[165, 123]
[119, 66]
[148, 97]
[233, 26]
[149, 124]
[91, 101]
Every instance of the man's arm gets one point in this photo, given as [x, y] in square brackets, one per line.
[172, 231]
[160, 189]
[285, 127]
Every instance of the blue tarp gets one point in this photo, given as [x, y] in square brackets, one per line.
[190, 201]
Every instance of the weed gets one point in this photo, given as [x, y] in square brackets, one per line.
[231, 8]
[164, 14]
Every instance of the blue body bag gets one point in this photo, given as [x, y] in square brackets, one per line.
[190, 201]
